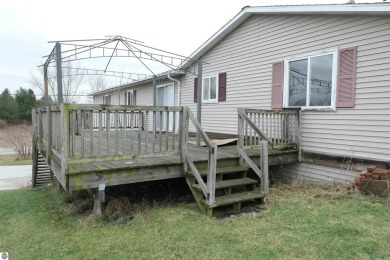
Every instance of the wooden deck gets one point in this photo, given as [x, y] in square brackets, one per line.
[92, 147]
[90, 172]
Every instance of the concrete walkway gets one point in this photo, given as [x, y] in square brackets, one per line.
[6, 151]
[15, 177]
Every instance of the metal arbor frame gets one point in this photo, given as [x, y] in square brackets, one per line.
[81, 50]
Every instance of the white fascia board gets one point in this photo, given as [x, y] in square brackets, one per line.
[137, 83]
[337, 9]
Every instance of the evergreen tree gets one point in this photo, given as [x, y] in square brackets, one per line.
[25, 101]
[8, 107]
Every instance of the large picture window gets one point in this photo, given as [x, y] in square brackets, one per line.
[210, 89]
[310, 81]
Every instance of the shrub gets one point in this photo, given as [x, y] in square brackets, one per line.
[19, 138]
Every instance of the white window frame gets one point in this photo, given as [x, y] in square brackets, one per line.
[105, 98]
[216, 86]
[287, 61]
[131, 91]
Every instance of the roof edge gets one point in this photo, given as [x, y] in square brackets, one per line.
[247, 11]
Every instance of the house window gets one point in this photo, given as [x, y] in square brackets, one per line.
[310, 81]
[210, 89]
[107, 100]
[130, 98]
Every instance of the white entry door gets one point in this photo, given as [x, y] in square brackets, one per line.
[165, 97]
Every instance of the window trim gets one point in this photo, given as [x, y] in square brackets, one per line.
[216, 100]
[332, 106]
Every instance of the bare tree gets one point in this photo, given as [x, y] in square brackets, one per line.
[71, 82]
[18, 137]
[37, 82]
[97, 83]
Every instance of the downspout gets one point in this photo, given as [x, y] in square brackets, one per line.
[178, 94]
[178, 89]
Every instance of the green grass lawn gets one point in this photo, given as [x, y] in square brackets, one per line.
[309, 223]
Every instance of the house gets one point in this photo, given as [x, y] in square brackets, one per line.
[329, 61]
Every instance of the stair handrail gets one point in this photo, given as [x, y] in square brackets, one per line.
[262, 172]
[209, 188]
[241, 113]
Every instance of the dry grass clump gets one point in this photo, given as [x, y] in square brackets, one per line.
[301, 188]
[3, 124]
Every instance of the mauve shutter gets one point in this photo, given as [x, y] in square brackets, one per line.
[134, 97]
[346, 77]
[195, 90]
[277, 85]
[222, 87]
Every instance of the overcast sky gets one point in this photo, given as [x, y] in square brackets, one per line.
[174, 25]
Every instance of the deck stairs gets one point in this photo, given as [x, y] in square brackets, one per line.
[42, 175]
[233, 187]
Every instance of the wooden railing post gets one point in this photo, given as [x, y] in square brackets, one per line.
[65, 145]
[34, 147]
[298, 134]
[240, 135]
[184, 137]
[211, 174]
[264, 167]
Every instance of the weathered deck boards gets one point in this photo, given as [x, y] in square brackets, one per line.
[90, 172]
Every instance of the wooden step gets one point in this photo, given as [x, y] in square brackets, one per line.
[229, 183]
[234, 198]
[224, 170]
[43, 170]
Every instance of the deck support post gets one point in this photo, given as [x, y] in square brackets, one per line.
[99, 197]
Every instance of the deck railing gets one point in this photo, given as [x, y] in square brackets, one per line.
[277, 127]
[80, 132]
[46, 133]
[208, 188]
[101, 131]
[265, 128]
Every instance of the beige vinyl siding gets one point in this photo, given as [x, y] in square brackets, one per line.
[314, 172]
[144, 97]
[247, 54]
